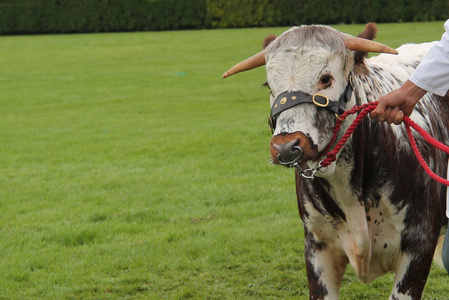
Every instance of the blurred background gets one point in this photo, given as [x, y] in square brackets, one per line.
[69, 16]
[130, 170]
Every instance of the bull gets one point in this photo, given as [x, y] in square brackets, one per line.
[374, 207]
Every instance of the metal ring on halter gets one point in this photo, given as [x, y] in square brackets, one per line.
[294, 161]
[338, 117]
[309, 173]
[320, 167]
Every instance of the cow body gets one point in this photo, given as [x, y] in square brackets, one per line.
[375, 207]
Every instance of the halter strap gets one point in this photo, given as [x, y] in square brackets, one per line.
[287, 100]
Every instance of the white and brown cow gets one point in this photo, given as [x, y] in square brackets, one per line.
[374, 207]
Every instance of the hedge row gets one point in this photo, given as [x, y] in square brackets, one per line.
[66, 16]
[231, 13]
[71, 16]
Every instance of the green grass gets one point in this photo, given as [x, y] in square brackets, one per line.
[130, 170]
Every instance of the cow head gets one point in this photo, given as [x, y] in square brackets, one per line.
[308, 73]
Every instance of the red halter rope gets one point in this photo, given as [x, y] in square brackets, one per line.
[364, 110]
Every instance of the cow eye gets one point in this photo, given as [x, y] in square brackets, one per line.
[326, 79]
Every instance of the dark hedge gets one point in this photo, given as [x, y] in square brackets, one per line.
[70, 16]
[232, 13]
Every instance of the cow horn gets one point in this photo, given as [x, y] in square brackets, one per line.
[252, 62]
[364, 45]
[351, 42]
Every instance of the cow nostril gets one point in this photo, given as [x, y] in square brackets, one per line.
[287, 146]
[289, 153]
[292, 159]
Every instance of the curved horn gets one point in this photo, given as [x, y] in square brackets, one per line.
[252, 62]
[351, 42]
[364, 45]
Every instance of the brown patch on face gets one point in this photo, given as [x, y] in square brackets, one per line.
[310, 151]
[268, 39]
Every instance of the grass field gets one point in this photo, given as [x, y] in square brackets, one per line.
[130, 170]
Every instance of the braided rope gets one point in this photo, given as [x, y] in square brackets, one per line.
[409, 123]
[364, 110]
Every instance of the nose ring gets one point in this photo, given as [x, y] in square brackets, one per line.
[293, 161]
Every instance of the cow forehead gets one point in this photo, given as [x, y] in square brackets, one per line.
[304, 57]
[295, 60]
[307, 37]
[301, 70]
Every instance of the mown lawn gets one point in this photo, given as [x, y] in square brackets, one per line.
[130, 170]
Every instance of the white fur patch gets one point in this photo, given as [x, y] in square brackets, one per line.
[371, 241]
[402, 264]
[287, 71]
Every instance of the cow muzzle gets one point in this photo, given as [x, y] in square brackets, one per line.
[289, 153]
[292, 148]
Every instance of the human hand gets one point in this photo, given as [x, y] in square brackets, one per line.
[393, 106]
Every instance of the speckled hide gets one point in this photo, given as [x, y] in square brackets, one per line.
[374, 208]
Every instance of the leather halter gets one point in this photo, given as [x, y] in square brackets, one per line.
[287, 100]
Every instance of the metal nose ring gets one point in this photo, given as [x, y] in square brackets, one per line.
[293, 161]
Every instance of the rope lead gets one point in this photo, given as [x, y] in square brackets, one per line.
[409, 123]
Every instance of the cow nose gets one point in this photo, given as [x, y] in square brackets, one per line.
[289, 153]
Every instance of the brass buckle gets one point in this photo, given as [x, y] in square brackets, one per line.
[319, 104]
[338, 117]
[350, 81]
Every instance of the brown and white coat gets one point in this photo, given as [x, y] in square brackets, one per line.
[374, 208]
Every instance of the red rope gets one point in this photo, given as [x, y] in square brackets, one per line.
[409, 123]
[364, 110]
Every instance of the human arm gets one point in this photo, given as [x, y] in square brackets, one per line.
[432, 75]
[394, 105]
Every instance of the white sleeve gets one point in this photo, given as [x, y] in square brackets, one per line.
[432, 74]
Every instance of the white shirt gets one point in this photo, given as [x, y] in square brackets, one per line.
[432, 74]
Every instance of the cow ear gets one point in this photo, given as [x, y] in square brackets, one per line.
[268, 39]
[368, 33]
